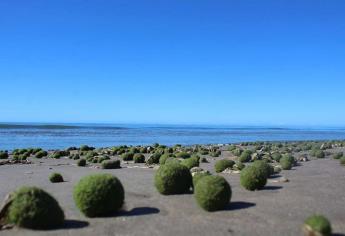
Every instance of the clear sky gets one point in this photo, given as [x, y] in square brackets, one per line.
[213, 62]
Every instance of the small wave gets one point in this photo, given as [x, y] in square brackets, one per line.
[52, 126]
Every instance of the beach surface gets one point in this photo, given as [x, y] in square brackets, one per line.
[316, 186]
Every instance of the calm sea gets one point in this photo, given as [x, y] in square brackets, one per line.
[54, 136]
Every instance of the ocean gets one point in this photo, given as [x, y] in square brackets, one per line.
[59, 136]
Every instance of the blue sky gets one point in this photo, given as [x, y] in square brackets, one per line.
[191, 62]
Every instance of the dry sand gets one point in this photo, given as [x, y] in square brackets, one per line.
[317, 186]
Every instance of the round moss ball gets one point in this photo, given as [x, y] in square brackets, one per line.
[212, 193]
[139, 158]
[245, 156]
[173, 178]
[81, 162]
[34, 208]
[111, 164]
[163, 158]
[222, 165]
[127, 156]
[286, 163]
[197, 176]
[342, 160]
[3, 155]
[276, 156]
[239, 166]
[252, 178]
[263, 166]
[153, 159]
[56, 178]
[41, 154]
[191, 162]
[183, 155]
[99, 195]
[317, 225]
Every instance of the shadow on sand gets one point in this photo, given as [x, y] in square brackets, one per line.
[275, 176]
[271, 188]
[234, 206]
[139, 211]
[74, 224]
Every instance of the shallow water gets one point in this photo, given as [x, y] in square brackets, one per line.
[53, 136]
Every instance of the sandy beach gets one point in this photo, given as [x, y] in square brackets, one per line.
[315, 186]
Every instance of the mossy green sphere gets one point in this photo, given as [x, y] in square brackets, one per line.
[34, 208]
[41, 154]
[183, 155]
[286, 163]
[81, 162]
[127, 156]
[139, 158]
[252, 178]
[245, 156]
[222, 165]
[191, 162]
[317, 225]
[212, 193]
[239, 166]
[99, 195]
[342, 160]
[173, 178]
[198, 176]
[163, 158]
[111, 164]
[56, 178]
[263, 166]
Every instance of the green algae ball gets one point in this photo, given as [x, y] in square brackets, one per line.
[191, 162]
[222, 165]
[99, 195]
[41, 154]
[128, 156]
[164, 158]
[111, 164]
[263, 166]
[245, 156]
[342, 161]
[81, 162]
[139, 158]
[239, 166]
[212, 193]
[173, 178]
[34, 208]
[286, 163]
[198, 176]
[252, 178]
[317, 225]
[56, 178]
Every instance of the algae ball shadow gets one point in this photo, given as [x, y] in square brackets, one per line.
[212, 193]
[173, 178]
[33, 208]
[99, 195]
